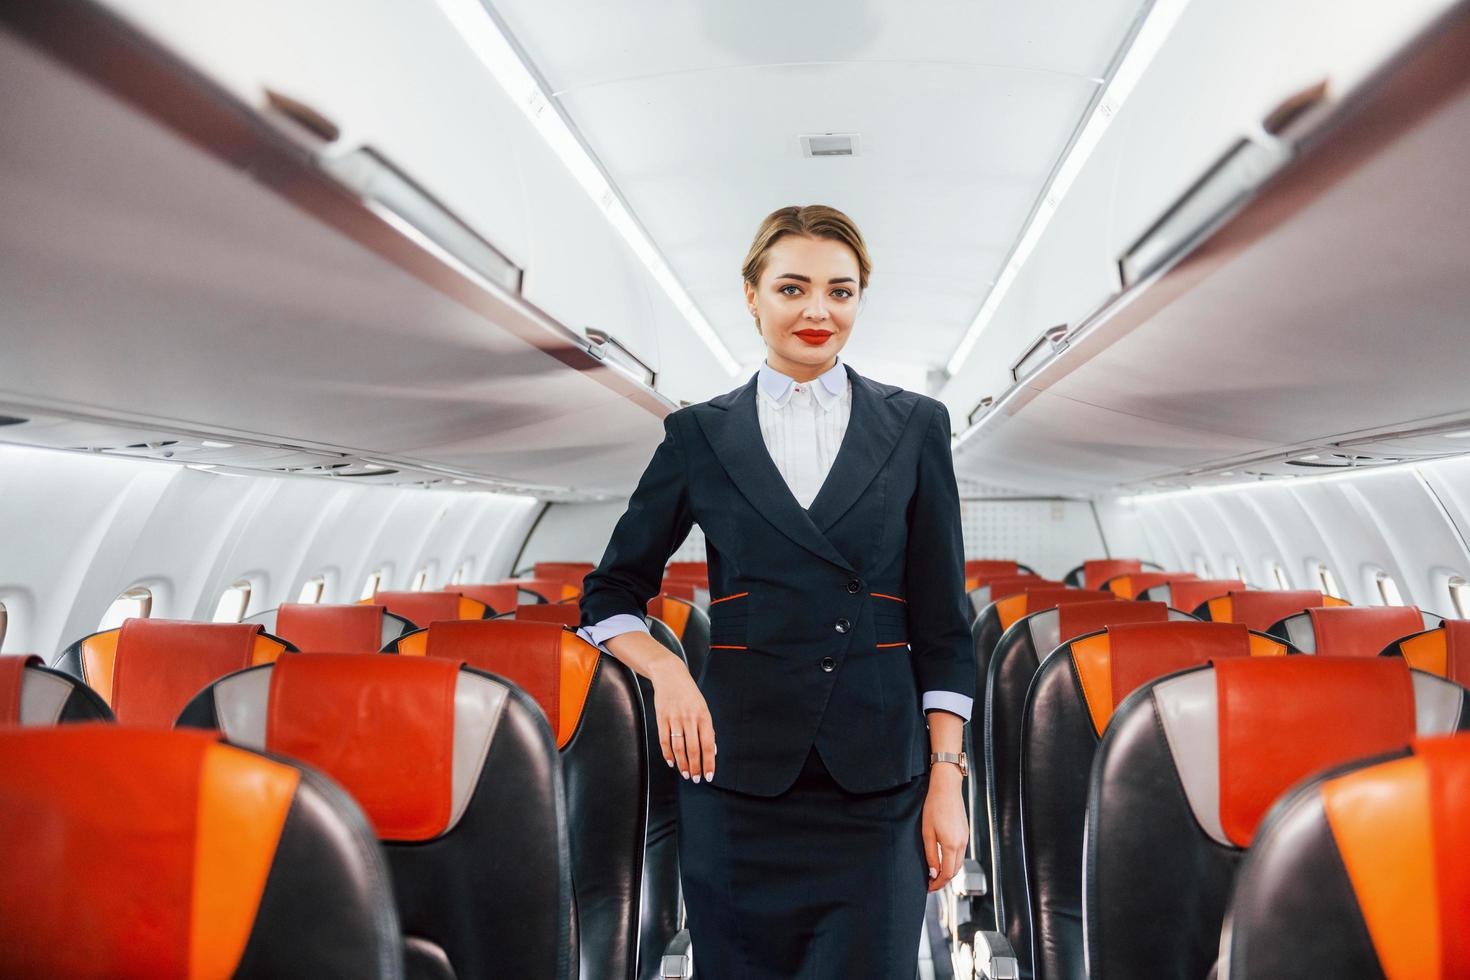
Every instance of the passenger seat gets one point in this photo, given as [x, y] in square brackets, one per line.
[501, 598]
[148, 669]
[322, 628]
[137, 853]
[1068, 709]
[1012, 670]
[1190, 594]
[423, 608]
[1092, 573]
[32, 695]
[1359, 631]
[460, 779]
[1191, 765]
[1260, 609]
[1443, 652]
[1130, 585]
[1360, 873]
[596, 714]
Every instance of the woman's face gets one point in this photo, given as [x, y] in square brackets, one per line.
[805, 302]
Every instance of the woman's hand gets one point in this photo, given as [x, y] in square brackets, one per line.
[685, 732]
[946, 826]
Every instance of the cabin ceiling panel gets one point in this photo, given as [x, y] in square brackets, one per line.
[951, 156]
[578, 45]
[962, 109]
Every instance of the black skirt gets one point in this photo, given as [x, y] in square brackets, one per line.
[815, 884]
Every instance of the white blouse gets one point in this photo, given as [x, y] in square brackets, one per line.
[802, 424]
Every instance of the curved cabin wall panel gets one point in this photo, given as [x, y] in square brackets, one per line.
[79, 530]
[1401, 521]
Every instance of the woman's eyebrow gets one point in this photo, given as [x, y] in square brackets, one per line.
[830, 282]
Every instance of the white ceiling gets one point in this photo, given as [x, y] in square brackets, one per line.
[963, 109]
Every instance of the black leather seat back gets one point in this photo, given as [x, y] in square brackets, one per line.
[1360, 872]
[1068, 707]
[138, 852]
[1352, 631]
[32, 695]
[1189, 767]
[660, 900]
[392, 627]
[596, 711]
[458, 772]
[1019, 653]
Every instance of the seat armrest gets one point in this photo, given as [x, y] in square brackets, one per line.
[970, 880]
[994, 958]
[678, 961]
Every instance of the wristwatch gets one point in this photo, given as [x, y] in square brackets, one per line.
[958, 758]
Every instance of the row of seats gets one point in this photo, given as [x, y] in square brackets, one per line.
[1052, 659]
[523, 750]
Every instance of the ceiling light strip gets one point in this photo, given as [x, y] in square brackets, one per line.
[498, 53]
[1286, 480]
[1147, 41]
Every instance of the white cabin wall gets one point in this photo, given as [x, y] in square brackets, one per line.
[574, 532]
[1411, 522]
[78, 530]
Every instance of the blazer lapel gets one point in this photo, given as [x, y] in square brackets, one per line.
[734, 432]
[872, 432]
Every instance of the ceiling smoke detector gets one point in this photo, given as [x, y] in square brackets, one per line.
[829, 145]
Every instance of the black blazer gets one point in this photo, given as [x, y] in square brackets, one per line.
[827, 623]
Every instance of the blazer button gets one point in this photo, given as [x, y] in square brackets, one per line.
[842, 626]
[828, 664]
[853, 586]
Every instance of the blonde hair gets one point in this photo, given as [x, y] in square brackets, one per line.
[813, 221]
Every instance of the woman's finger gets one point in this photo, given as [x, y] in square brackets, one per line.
[952, 855]
[663, 737]
[679, 739]
[707, 745]
[931, 854]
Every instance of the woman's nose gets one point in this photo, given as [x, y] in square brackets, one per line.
[816, 310]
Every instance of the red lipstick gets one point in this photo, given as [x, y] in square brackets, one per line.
[814, 337]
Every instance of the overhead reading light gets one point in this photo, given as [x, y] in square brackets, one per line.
[492, 44]
[1146, 42]
[980, 409]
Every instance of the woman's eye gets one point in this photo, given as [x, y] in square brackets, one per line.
[796, 290]
[842, 293]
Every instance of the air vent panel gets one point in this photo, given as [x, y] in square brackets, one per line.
[829, 145]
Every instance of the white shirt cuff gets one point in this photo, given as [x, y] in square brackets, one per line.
[948, 701]
[603, 630]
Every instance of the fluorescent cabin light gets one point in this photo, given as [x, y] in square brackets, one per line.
[1146, 43]
[496, 52]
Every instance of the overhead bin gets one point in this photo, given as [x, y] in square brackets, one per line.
[219, 231]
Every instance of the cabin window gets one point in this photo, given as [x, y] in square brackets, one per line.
[1459, 597]
[1201, 566]
[370, 587]
[1279, 574]
[233, 603]
[4, 622]
[1328, 580]
[135, 603]
[461, 573]
[311, 590]
[1239, 572]
[420, 579]
[1388, 589]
